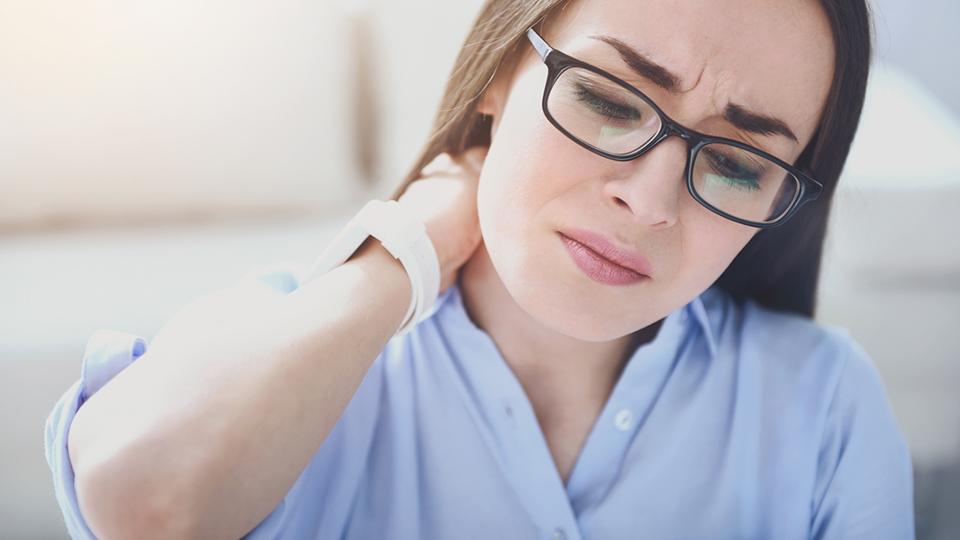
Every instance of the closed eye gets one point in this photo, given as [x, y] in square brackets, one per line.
[604, 106]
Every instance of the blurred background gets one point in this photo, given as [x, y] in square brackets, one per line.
[149, 151]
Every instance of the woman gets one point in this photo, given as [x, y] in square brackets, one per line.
[629, 235]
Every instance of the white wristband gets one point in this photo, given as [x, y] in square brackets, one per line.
[405, 237]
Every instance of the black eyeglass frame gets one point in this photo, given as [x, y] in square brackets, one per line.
[557, 62]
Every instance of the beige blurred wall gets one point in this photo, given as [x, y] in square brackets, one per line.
[117, 110]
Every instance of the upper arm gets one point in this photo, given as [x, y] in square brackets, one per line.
[864, 486]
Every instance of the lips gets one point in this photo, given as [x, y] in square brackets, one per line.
[621, 256]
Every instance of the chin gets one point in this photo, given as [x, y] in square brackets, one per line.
[564, 310]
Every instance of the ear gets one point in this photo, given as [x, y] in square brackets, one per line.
[494, 96]
[489, 104]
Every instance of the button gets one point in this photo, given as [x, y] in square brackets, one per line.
[558, 534]
[623, 419]
[509, 410]
[683, 316]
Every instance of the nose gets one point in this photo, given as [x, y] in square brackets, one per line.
[650, 187]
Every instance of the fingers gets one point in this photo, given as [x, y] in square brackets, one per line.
[471, 159]
[442, 162]
[474, 157]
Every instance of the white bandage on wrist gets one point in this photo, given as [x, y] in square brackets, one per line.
[405, 237]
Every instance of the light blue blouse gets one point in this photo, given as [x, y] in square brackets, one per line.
[734, 422]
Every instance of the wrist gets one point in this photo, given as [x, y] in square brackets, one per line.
[409, 252]
[381, 264]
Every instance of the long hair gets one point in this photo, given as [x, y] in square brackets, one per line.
[779, 268]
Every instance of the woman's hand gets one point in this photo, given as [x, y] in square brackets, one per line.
[445, 199]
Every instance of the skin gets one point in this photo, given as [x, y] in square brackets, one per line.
[565, 336]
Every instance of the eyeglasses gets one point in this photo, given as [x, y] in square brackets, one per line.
[611, 118]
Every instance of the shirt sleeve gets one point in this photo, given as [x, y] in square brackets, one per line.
[107, 353]
[864, 485]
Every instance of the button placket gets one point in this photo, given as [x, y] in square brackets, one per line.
[509, 426]
[623, 420]
[633, 396]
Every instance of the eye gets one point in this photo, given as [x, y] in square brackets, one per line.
[733, 171]
[605, 106]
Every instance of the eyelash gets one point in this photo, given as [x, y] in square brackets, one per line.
[722, 166]
[605, 107]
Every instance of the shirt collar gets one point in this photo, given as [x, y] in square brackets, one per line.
[705, 308]
[703, 311]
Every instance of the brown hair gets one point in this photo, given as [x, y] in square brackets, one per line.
[779, 268]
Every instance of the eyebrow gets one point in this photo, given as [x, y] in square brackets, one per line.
[735, 114]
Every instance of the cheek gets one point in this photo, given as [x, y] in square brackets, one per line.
[509, 199]
[710, 245]
[521, 174]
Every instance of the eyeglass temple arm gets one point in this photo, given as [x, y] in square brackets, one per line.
[538, 43]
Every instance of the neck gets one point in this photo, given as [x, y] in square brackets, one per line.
[546, 362]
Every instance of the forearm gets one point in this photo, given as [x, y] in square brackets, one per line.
[213, 439]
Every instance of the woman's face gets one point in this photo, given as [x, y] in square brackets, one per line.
[774, 57]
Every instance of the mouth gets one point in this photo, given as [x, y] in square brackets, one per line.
[598, 263]
[617, 254]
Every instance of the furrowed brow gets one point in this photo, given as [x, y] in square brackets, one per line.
[757, 123]
[643, 65]
[737, 115]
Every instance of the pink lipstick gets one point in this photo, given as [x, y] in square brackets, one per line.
[604, 262]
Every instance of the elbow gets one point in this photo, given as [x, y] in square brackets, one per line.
[120, 504]
[127, 491]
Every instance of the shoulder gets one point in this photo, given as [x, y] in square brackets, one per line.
[820, 389]
[794, 347]
[828, 372]
[748, 324]
[792, 334]
[815, 369]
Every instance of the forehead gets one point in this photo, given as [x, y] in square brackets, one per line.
[770, 56]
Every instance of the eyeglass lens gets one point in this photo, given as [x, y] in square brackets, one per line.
[611, 118]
